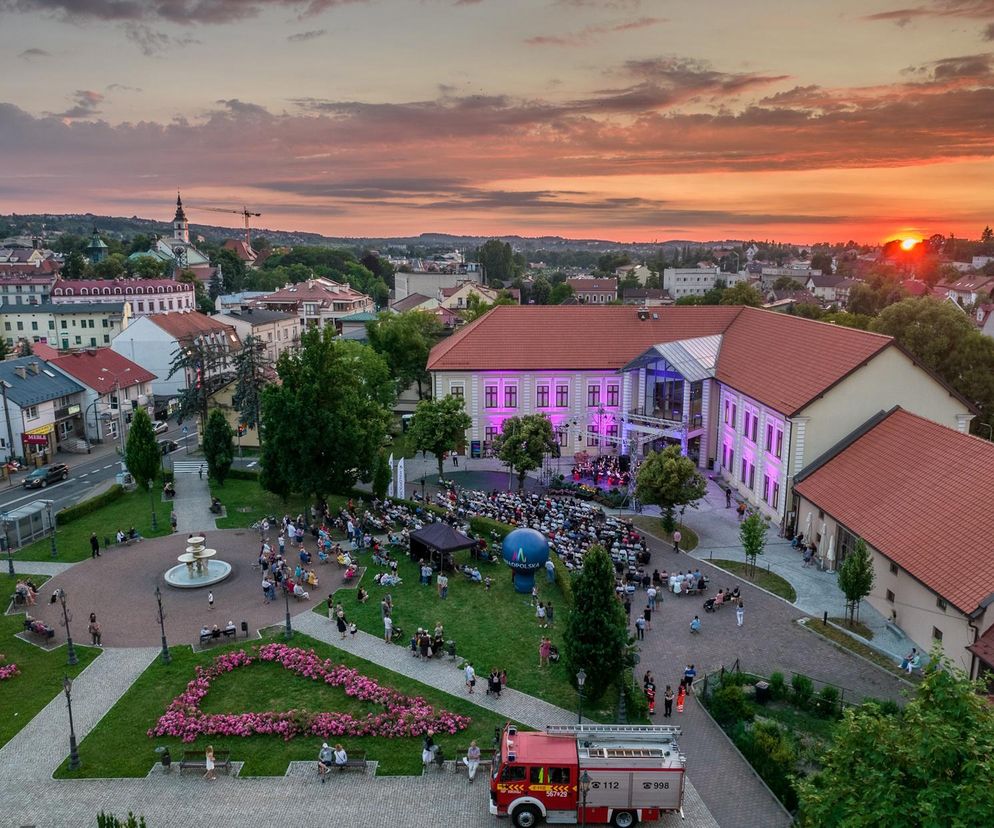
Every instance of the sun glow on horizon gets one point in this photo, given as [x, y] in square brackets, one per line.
[909, 244]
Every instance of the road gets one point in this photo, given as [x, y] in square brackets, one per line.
[86, 471]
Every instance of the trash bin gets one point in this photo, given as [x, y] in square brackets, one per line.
[762, 692]
[450, 647]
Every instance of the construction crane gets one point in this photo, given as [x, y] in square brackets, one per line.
[244, 213]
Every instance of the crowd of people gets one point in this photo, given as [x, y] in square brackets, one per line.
[609, 470]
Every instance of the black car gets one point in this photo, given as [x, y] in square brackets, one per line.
[40, 478]
[168, 446]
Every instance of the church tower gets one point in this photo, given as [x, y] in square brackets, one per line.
[181, 227]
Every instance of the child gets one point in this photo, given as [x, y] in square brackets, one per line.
[650, 694]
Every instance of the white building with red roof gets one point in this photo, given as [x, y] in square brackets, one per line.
[115, 387]
[928, 526]
[753, 394]
[594, 291]
[144, 296]
[317, 302]
[153, 342]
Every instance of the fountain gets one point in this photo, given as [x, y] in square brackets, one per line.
[198, 567]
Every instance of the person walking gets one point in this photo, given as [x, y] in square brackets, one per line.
[651, 594]
[94, 545]
[210, 600]
[387, 628]
[443, 585]
[728, 498]
[681, 697]
[266, 586]
[544, 649]
[740, 614]
[455, 459]
[470, 674]
[639, 628]
[668, 702]
[676, 540]
[549, 618]
[200, 471]
[342, 624]
[647, 615]
[540, 615]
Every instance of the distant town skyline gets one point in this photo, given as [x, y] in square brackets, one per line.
[628, 120]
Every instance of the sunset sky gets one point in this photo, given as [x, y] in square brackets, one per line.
[803, 121]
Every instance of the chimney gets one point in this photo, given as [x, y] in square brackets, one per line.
[21, 371]
[33, 367]
[36, 242]
[643, 313]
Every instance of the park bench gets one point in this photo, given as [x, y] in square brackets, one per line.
[197, 760]
[486, 758]
[357, 761]
[39, 628]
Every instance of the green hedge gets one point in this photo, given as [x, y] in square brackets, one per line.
[64, 516]
[565, 578]
[636, 703]
[484, 527]
[242, 474]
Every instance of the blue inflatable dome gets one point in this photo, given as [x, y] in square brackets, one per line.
[525, 551]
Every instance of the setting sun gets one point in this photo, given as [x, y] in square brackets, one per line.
[908, 244]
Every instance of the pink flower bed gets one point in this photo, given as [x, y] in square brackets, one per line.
[7, 671]
[402, 715]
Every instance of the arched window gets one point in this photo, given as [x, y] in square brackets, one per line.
[106, 291]
[68, 291]
[83, 291]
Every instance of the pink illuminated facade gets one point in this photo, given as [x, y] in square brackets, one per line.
[691, 376]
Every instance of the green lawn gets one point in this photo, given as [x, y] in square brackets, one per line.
[119, 747]
[856, 627]
[246, 502]
[841, 638]
[654, 527]
[492, 629]
[762, 578]
[40, 680]
[73, 539]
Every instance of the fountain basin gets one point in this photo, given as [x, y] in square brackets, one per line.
[181, 577]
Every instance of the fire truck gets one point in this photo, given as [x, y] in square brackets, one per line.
[589, 773]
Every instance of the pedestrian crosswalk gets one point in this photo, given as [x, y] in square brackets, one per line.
[188, 466]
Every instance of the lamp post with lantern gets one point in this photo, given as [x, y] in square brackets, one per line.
[581, 679]
[584, 790]
[73, 752]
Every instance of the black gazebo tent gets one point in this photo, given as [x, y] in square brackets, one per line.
[438, 541]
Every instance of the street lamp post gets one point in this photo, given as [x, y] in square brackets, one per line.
[60, 596]
[584, 790]
[51, 526]
[288, 632]
[151, 497]
[581, 679]
[166, 658]
[6, 543]
[73, 752]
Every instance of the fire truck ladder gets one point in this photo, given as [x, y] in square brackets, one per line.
[633, 733]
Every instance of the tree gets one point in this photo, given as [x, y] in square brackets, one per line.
[541, 291]
[742, 293]
[822, 262]
[523, 442]
[596, 634]
[74, 267]
[987, 240]
[381, 476]
[932, 764]
[497, 259]
[856, 578]
[669, 479]
[752, 534]
[787, 283]
[560, 293]
[202, 365]
[404, 340]
[439, 426]
[146, 267]
[326, 420]
[252, 367]
[142, 455]
[232, 269]
[26, 348]
[217, 446]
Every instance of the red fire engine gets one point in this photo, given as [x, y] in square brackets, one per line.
[590, 773]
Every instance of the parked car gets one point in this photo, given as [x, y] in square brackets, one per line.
[160, 426]
[40, 478]
[168, 446]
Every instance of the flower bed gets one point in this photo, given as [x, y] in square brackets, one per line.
[402, 716]
[7, 671]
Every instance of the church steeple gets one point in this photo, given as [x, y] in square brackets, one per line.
[181, 227]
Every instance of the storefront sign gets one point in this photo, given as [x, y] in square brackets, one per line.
[36, 439]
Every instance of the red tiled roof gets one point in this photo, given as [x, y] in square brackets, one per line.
[183, 325]
[324, 292]
[933, 519]
[914, 287]
[827, 352]
[569, 337]
[585, 337]
[100, 367]
[593, 284]
[44, 351]
[983, 647]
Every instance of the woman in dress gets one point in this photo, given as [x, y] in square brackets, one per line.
[209, 763]
[342, 625]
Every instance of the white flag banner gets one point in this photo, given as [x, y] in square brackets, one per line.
[390, 488]
[401, 488]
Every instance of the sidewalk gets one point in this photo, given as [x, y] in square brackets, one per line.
[192, 503]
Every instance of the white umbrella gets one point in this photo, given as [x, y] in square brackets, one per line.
[807, 526]
[831, 552]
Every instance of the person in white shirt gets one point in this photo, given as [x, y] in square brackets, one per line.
[472, 760]
[470, 674]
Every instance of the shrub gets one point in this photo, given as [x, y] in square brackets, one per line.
[885, 707]
[72, 513]
[636, 704]
[241, 474]
[728, 705]
[485, 527]
[827, 703]
[771, 752]
[564, 577]
[168, 476]
[778, 686]
[111, 821]
[803, 689]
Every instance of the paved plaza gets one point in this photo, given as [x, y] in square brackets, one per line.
[722, 788]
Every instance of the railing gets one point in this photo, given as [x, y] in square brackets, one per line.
[638, 418]
[712, 680]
